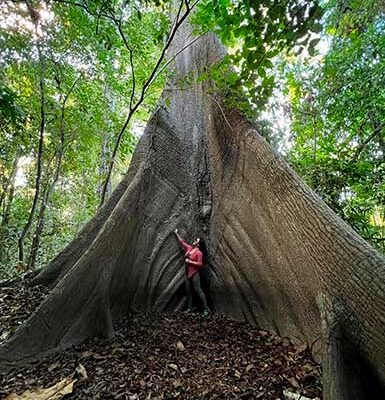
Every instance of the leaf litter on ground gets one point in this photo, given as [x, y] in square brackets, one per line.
[162, 356]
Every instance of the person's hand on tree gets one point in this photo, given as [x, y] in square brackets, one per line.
[176, 231]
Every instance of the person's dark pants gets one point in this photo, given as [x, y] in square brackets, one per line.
[195, 282]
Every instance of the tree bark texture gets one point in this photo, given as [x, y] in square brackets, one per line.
[275, 248]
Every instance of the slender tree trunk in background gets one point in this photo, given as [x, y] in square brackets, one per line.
[39, 161]
[7, 211]
[279, 257]
[50, 188]
[105, 156]
[8, 191]
[381, 241]
[105, 150]
[38, 231]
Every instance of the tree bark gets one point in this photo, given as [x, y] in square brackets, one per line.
[275, 247]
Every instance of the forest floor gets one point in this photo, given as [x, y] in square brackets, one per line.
[182, 356]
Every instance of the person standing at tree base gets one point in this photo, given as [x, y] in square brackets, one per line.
[194, 262]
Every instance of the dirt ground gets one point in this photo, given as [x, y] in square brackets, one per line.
[180, 355]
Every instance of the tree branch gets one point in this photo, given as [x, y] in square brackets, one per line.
[157, 70]
[362, 146]
[123, 36]
[179, 19]
[223, 113]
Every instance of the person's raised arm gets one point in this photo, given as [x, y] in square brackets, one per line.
[184, 244]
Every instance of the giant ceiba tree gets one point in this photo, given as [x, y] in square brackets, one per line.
[279, 257]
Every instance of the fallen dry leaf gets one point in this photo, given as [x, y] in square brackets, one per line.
[97, 356]
[53, 366]
[81, 371]
[250, 367]
[173, 366]
[55, 392]
[177, 383]
[180, 346]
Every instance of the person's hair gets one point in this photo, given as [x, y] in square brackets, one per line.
[203, 248]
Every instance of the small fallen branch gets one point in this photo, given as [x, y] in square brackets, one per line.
[55, 392]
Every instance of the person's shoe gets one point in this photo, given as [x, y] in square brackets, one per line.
[206, 312]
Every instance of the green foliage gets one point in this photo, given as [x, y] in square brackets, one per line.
[85, 58]
[338, 124]
[255, 32]
[10, 111]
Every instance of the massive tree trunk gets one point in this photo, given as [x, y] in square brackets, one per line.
[279, 257]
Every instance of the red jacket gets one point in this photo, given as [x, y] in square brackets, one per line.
[192, 254]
